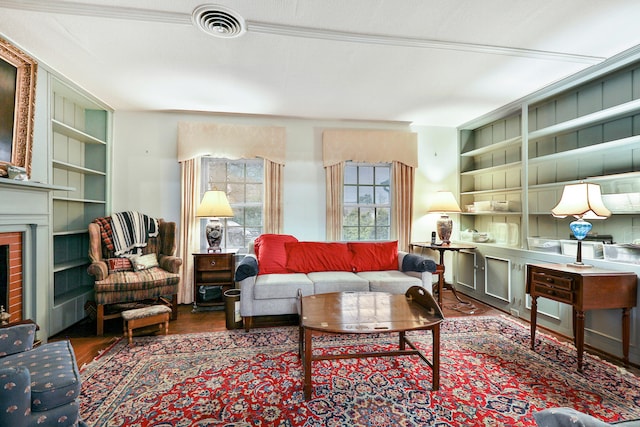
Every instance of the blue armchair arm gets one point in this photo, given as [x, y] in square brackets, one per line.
[16, 339]
[15, 397]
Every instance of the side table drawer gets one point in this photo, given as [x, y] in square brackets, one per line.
[208, 263]
[558, 288]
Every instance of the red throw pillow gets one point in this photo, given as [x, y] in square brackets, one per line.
[374, 256]
[307, 257]
[119, 264]
[271, 254]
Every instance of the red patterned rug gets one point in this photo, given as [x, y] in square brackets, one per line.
[488, 377]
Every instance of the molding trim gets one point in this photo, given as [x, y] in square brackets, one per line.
[84, 9]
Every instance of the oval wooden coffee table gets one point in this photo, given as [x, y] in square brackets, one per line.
[369, 313]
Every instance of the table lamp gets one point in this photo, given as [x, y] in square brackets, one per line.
[444, 202]
[214, 205]
[581, 201]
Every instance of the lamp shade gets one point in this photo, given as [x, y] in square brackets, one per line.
[443, 201]
[214, 204]
[581, 200]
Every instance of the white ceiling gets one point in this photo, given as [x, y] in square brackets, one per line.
[428, 62]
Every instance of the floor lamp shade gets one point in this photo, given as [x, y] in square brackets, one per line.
[581, 201]
[444, 202]
[214, 205]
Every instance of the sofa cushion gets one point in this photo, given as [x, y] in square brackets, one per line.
[271, 286]
[392, 281]
[374, 256]
[337, 281]
[306, 257]
[55, 380]
[271, 253]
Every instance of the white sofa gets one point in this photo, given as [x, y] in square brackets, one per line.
[277, 266]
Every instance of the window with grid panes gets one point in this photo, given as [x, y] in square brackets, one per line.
[243, 181]
[367, 201]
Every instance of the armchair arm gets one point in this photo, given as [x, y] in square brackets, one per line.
[15, 397]
[98, 269]
[170, 263]
[17, 338]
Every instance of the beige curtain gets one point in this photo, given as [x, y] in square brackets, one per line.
[403, 183]
[189, 239]
[334, 176]
[273, 221]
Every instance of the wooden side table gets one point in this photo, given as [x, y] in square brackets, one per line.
[442, 248]
[215, 270]
[585, 289]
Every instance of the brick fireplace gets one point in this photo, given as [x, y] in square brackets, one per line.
[11, 274]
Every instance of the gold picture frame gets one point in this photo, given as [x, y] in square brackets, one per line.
[17, 104]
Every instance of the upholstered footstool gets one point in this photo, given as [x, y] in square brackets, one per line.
[146, 316]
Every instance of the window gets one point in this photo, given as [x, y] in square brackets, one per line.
[243, 181]
[367, 201]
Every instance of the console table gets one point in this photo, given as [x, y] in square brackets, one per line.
[585, 289]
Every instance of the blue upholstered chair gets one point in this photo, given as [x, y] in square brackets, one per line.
[38, 386]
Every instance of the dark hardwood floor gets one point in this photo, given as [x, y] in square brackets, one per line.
[88, 346]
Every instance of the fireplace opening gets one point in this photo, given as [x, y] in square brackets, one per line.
[4, 276]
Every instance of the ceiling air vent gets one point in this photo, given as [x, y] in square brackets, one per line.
[219, 21]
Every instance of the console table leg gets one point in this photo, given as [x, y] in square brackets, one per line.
[579, 336]
[534, 315]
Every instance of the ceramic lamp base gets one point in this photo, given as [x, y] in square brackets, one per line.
[444, 226]
[214, 232]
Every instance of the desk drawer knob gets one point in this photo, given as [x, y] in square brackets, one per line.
[212, 262]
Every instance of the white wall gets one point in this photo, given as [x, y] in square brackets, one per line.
[146, 174]
[438, 170]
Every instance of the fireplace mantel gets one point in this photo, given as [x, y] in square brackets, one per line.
[25, 207]
[31, 185]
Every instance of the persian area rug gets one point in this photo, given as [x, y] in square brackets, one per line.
[488, 377]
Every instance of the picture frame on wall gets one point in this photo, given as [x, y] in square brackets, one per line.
[17, 104]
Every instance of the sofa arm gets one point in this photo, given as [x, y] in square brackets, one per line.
[98, 269]
[170, 263]
[417, 263]
[15, 397]
[247, 287]
[248, 267]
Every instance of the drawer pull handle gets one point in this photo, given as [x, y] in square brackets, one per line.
[212, 262]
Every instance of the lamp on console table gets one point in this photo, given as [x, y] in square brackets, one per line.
[214, 206]
[444, 202]
[581, 201]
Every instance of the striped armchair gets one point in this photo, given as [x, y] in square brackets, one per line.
[117, 284]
